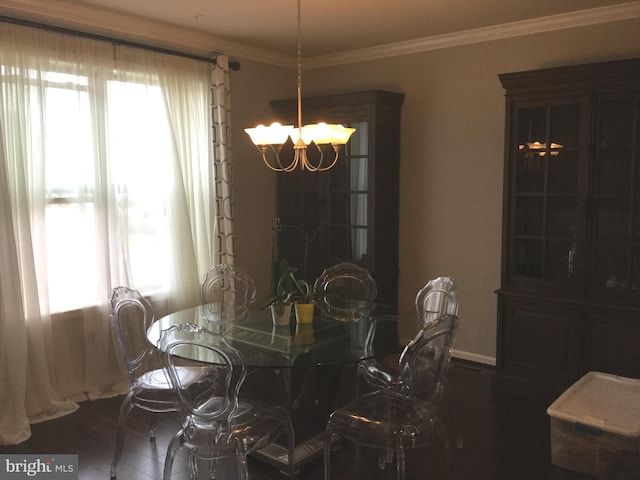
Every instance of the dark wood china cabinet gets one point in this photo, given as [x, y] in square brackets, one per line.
[569, 300]
[350, 212]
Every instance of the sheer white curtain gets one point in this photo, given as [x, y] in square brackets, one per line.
[106, 179]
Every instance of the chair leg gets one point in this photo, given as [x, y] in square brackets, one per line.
[291, 449]
[241, 461]
[152, 425]
[243, 469]
[455, 434]
[384, 456]
[125, 408]
[387, 455]
[400, 463]
[287, 428]
[213, 466]
[441, 430]
[327, 453]
[193, 464]
[174, 445]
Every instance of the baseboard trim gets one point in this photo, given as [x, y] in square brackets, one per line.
[469, 356]
[474, 357]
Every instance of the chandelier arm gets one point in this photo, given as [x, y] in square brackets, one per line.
[318, 166]
[266, 162]
[289, 168]
[296, 161]
[308, 165]
[336, 150]
[275, 153]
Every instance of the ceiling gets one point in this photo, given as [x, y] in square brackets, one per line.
[329, 27]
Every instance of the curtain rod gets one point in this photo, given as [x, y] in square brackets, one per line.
[233, 64]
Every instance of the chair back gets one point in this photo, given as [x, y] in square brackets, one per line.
[425, 361]
[131, 315]
[212, 402]
[346, 292]
[226, 293]
[438, 297]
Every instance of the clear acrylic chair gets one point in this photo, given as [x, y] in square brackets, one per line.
[406, 415]
[226, 293]
[131, 316]
[215, 423]
[439, 296]
[346, 292]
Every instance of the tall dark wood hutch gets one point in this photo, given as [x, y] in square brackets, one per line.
[348, 213]
[569, 300]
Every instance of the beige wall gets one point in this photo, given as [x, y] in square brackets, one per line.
[451, 157]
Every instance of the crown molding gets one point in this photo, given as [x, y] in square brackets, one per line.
[118, 26]
[115, 25]
[486, 34]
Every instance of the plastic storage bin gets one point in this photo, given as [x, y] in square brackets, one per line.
[595, 424]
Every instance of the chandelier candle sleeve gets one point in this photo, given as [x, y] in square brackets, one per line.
[275, 134]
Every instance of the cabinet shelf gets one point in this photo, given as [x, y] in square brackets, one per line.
[526, 194]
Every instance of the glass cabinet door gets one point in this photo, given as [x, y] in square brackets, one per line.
[616, 227]
[348, 194]
[545, 172]
[348, 213]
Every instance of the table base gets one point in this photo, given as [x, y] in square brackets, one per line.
[276, 455]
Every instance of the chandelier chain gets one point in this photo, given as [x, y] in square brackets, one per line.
[299, 65]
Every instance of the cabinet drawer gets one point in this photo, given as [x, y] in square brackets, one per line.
[613, 343]
[539, 341]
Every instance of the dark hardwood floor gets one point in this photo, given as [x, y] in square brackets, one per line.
[504, 438]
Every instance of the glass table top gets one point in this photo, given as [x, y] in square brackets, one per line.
[324, 342]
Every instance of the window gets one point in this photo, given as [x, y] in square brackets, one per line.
[137, 136]
[108, 169]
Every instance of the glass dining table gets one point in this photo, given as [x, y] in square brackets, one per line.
[325, 342]
[307, 368]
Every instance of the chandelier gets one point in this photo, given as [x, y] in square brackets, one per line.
[326, 138]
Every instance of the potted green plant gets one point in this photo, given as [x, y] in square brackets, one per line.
[305, 297]
[280, 300]
[290, 290]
